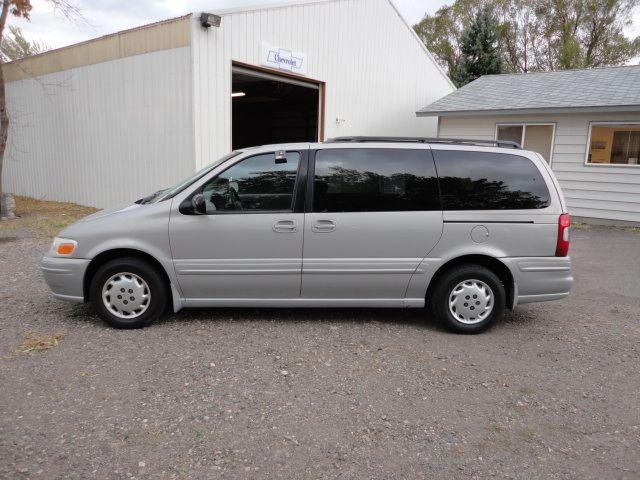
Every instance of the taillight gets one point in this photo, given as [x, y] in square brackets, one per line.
[562, 245]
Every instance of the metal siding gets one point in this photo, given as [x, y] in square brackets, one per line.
[377, 74]
[102, 134]
[591, 191]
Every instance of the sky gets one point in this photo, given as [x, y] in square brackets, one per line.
[108, 16]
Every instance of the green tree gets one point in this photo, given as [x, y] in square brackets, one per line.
[479, 49]
[441, 32]
[587, 33]
[15, 46]
[540, 35]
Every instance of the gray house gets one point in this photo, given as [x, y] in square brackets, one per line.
[585, 123]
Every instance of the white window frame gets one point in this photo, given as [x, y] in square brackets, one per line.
[524, 126]
[606, 165]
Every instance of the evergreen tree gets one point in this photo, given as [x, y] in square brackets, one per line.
[479, 49]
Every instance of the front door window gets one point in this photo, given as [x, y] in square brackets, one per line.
[262, 183]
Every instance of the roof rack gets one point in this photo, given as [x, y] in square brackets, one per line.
[447, 141]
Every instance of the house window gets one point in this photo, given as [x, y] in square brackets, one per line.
[531, 136]
[614, 144]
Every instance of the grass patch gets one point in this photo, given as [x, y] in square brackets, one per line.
[526, 433]
[633, 229]
[495, 428]
[526, 391]
[43, 218]
[39, 341]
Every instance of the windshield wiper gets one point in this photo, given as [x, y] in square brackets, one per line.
[149, 198]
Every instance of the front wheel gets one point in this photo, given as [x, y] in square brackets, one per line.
[128, 293]
[468, 299]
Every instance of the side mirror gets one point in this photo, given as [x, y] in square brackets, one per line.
[198, 204]
[195, 205]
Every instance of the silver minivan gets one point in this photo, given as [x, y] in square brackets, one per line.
[466, 228]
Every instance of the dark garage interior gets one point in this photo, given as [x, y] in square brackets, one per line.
[267, 108]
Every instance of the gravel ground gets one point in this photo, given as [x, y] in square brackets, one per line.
[551, 392]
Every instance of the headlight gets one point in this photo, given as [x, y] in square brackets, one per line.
[63, 247]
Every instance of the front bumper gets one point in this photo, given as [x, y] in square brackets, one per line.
[65, 277]
[540, 279]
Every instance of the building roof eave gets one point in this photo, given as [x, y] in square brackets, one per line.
[530, 111]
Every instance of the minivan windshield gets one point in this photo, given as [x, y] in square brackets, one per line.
[179, 187]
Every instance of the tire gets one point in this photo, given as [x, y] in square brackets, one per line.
[140, 293]
[467, 314]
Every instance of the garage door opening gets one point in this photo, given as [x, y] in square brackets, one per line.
[270, 108]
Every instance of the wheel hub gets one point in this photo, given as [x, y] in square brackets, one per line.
[126, 295]
[471, 301]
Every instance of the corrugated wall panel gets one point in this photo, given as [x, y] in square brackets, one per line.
[102, 134]
[597, 191]
[377, 74]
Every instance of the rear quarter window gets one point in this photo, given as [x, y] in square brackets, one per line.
[489, 181]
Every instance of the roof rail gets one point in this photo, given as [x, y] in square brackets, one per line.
[447, 141]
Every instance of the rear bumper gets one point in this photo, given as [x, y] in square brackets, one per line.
[540, 279]
[65, 277]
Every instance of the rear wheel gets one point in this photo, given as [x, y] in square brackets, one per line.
[128, 293]
[468, 299]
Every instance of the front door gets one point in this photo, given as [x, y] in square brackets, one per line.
[374, 215]
[248, 244]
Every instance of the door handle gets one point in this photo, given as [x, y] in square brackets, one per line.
[285, 226]
[324, 226]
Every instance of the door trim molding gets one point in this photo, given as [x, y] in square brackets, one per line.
[305, 302]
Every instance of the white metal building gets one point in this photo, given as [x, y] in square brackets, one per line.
[112, 119]
[585, 123]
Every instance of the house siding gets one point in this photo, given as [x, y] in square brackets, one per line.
[593, 191]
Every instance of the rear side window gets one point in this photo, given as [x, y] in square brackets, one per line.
[374, 180]
[489, 181]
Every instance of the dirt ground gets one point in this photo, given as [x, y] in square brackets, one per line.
[552, 392]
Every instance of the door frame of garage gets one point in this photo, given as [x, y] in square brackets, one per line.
[287, 78]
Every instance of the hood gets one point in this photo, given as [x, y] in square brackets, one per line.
[81, 225]
[109, 211]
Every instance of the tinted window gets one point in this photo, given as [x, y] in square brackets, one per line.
[489, 181]
[256, 183]
[374, 180]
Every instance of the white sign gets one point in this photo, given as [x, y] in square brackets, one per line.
[284, 59]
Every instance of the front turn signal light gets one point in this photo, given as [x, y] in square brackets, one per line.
[66, 248]
[63, 247]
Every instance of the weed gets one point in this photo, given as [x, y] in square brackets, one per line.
[39, 341]
[526, 391]
[495, 428]
[526, 433]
